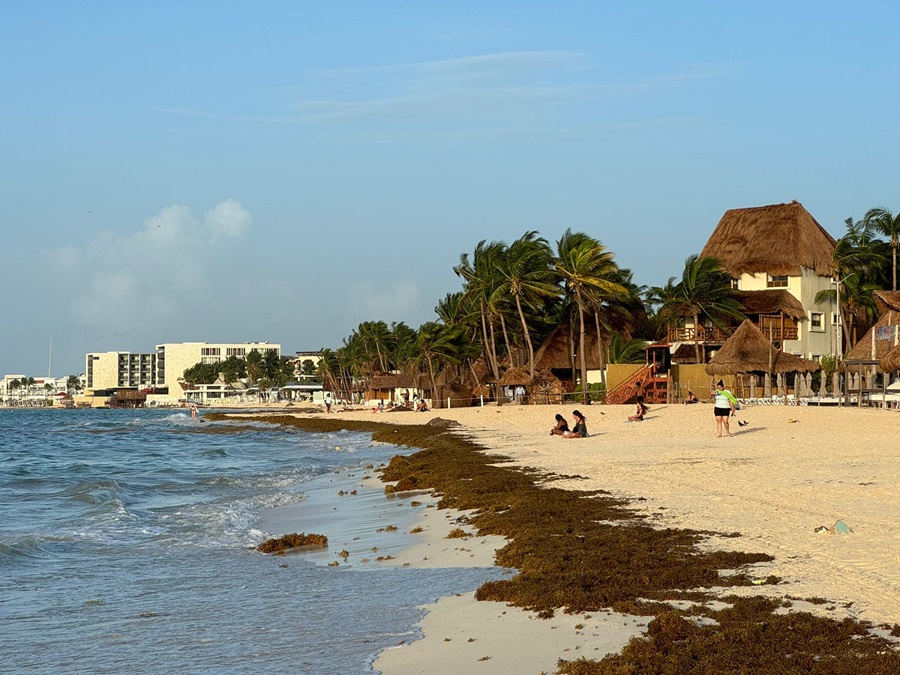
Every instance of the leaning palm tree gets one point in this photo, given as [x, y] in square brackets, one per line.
[583, 263]
[439, 346]
[527, 276]
[889, 225]
[704, 291]
[480, 278]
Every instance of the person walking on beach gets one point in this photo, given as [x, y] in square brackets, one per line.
[723, 408]
[580, 428]
[561, 426]
[328, 403]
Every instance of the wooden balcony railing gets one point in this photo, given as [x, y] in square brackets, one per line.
[715, 334]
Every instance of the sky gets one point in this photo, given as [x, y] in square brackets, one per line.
[282, 171]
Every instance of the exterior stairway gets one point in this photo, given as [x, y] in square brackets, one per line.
[654, 387]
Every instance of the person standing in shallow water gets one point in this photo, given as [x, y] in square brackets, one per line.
[580, 428]
[723, 408]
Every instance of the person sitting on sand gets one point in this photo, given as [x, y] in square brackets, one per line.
[640, 412]
[691, 398]
[561, 426]
[422, 406]
[580, 429]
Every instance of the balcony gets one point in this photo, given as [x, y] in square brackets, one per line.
[715, 334]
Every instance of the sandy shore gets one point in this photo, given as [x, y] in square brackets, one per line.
[790, 470]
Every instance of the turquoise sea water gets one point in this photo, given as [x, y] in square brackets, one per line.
[126, 545]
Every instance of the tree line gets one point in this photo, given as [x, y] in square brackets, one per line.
[513, 295]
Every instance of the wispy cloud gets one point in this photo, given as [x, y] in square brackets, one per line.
[517, 90]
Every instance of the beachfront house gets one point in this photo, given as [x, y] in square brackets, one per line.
[779, 258]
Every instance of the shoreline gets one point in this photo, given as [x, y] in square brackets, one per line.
[820, 465]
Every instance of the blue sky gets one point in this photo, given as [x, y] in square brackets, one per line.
[282, 171]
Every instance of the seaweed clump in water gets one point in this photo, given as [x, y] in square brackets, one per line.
[583, 551]
[281, 544]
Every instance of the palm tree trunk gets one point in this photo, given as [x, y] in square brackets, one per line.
[506, 341]
[697, 337]
[581, 354]
[527, 337]
[491, 358]
[894, 255]
[601, 347]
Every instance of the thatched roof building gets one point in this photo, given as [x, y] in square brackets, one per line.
[778, 239]
[891, 361]
[880, 338]
[887, 300]
[515, 376]
[771, 302]
[558, 349]
[748, 351]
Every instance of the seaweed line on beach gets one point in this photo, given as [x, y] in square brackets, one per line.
[583, 551]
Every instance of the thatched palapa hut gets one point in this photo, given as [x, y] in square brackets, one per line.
[748, 352]
[891, 361]
[779, 239]
[883, 337]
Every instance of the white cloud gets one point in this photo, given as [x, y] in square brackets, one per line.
[156, 276]
[227, 219]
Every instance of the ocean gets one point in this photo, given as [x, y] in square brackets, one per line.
[127, 544]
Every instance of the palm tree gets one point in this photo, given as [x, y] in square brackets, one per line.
[481, 279]
[704, 290]
[254, 365]
[583, 264]
[526, 275]
[889, 225]
[623, 349]
[439, 345]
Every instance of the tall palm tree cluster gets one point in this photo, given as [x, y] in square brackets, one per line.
[514, 295]
[863, 264]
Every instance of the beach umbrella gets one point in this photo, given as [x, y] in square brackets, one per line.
[779, 380]
[808, 386]
[753, 386]
[767, 391]
[870, 378]
[802, 388]
[822, 386]
[836, 384]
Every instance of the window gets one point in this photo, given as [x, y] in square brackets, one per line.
[735, 284]
[817, 358]
[780, 281]
[817, 322]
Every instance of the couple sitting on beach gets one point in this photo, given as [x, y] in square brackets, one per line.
[562, 427]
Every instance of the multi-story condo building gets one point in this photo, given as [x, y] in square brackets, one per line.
[779, 259]
[164, 367]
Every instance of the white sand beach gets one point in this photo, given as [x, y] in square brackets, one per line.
[789, 471]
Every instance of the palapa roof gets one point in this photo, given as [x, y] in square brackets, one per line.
[748, 351]
[887, 300]
[392, 381]
[771, 301]
[556, 351]
[515, 376]
[878, 340]
[891, 361]
[777, 239]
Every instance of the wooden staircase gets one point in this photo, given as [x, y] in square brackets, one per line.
[654, 387]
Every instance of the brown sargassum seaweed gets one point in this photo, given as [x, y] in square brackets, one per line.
[287, 541]
[584, 551]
